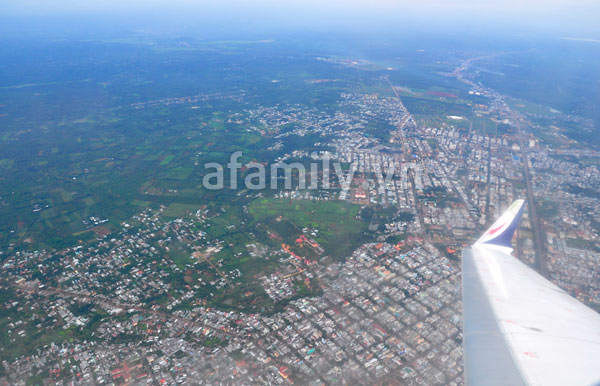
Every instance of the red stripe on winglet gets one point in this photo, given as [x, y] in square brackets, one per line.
[492, 231]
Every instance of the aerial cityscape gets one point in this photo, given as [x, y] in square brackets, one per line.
[181, 210]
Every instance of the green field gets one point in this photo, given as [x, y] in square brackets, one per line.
[167, 160]
[339, 229]
[177, 209]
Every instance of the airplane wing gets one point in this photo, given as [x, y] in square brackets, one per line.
[519, 328]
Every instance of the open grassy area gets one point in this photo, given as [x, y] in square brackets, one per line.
[339, 229]
[178, 209]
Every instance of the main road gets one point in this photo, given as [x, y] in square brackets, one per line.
[540, 246]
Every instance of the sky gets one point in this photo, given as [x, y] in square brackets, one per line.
[461, 5]
[564, 18]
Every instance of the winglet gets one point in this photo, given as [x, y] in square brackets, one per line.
[501, 232]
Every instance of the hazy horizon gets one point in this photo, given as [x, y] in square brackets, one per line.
[235, 17]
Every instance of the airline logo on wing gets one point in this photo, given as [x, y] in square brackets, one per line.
[501, 232]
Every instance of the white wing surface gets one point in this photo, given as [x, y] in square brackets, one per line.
[519, 328]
